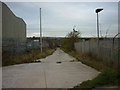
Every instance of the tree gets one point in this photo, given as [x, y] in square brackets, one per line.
[70, 39]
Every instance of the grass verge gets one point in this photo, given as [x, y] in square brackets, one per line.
[109, 75]
[106, 78]
[26, 57]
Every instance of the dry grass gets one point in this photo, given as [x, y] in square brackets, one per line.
[26, 57]
[91, 61]
[109, 75]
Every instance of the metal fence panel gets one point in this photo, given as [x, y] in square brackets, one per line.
[106, 50]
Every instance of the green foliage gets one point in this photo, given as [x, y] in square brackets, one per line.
[53, 43]
[105, 78]
[68, 42]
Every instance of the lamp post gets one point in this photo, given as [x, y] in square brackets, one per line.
[40, 33]
[97, 11]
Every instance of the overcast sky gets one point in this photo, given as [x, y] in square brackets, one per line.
[59, 18]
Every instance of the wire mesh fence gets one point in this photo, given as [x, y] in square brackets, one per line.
[14, 46]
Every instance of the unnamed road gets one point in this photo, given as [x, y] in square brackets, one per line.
[48, 73]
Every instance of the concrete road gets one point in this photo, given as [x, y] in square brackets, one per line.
[48, 73]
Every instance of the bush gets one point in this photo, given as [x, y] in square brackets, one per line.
[68, 42]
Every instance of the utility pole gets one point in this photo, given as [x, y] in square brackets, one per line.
[40, 33]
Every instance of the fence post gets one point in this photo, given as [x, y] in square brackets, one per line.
[89, 46]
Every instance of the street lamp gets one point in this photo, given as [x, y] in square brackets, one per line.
[97, 11]
[40, 33]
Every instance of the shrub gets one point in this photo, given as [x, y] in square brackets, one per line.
[68, 42]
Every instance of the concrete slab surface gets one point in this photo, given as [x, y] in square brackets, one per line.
[48, 73]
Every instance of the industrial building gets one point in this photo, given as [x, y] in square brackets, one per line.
[13, 30]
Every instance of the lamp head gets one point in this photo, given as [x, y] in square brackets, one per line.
[98, 10]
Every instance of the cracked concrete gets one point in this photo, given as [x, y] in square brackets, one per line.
[48, 73]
